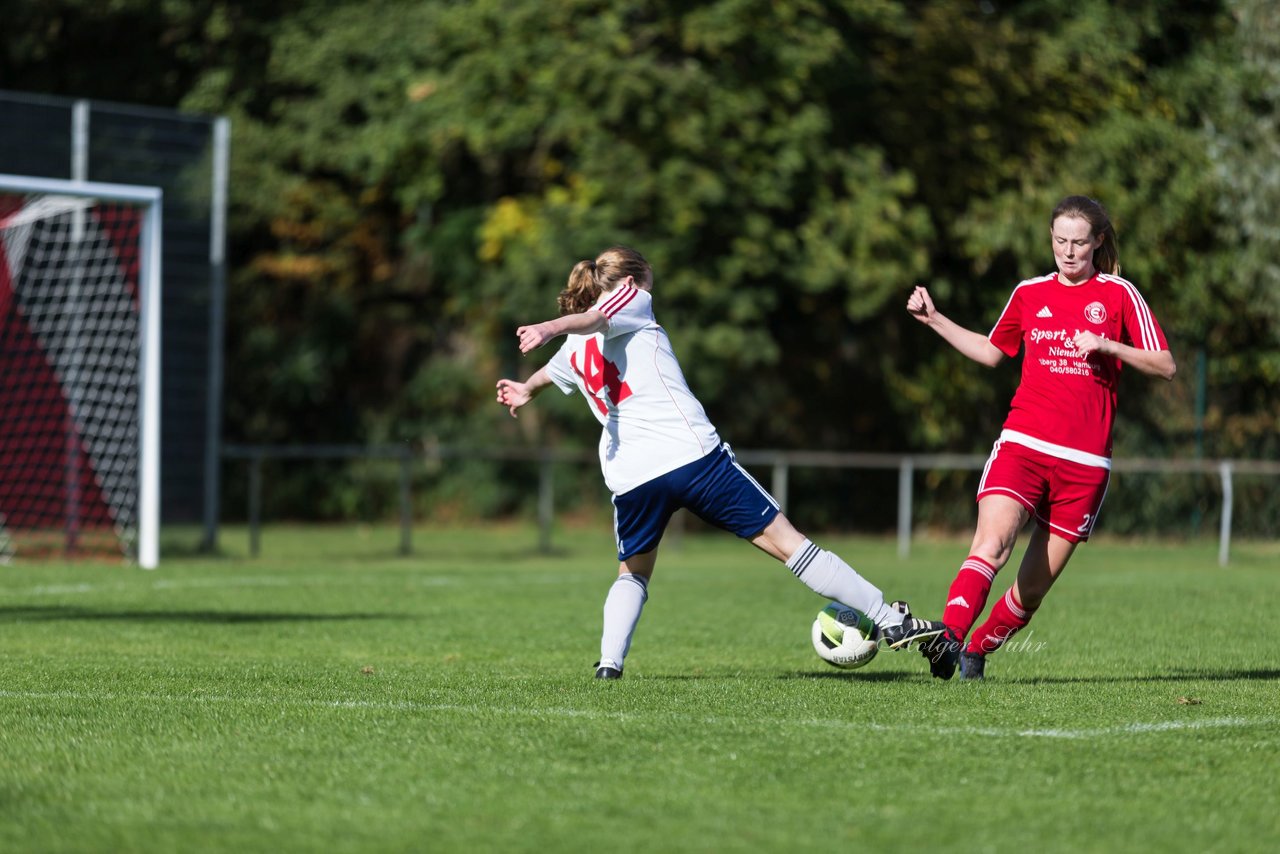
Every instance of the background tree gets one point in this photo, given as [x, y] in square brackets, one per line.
[413, 179]
[1242, 339]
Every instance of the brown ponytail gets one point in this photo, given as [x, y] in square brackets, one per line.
[1106, 258]
[582, 291]
[589, 279]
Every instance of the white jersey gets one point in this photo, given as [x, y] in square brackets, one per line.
[629, 374]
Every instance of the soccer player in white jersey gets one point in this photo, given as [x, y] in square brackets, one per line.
[1077, 328]
[659, 452]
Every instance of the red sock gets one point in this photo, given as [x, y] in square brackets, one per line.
[1007, 617]
[968, 595]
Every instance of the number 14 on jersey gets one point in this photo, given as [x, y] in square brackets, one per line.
[599, 374]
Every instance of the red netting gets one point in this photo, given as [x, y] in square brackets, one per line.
[68, 378]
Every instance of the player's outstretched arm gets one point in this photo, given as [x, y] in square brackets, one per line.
[584, 323]
[972, 344]
[1156, 363]
[514, 394]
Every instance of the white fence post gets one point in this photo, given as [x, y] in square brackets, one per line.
[1224, 531]
[780, 474]
[906, 472]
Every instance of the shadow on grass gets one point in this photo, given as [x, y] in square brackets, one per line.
[1241, 675]
[27, 614]
[848, 676]
[1247, 675]
[854, 675]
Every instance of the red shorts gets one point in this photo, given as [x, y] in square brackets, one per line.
[1063, 496]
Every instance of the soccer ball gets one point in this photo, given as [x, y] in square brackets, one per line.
[845, 637]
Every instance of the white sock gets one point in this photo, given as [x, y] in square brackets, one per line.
[621, 613]
[826, 574]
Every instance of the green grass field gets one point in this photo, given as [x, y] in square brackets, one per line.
[331, 696]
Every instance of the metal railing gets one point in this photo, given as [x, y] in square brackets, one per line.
[406, 455]
[780, 463]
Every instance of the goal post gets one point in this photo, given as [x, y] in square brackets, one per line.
[79, 369]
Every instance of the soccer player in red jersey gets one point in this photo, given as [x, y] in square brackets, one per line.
[1078, 327]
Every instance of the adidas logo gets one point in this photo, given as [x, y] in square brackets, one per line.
[959, 600]
[1044, 312]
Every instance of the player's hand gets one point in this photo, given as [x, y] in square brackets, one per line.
[533, 337]
[1087, 343]
[513, 395]
[920, 305]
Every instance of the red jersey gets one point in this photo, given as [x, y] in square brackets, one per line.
[1065, 404]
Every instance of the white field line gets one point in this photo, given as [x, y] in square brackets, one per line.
[1117, 730]
[1102, 732]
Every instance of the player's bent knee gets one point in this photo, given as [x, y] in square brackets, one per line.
[779, 538]
[640, 564]
[994, 552]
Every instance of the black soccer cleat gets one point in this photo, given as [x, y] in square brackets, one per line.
[973, 665]
[943, 653]
[910, 630]
[607, 672]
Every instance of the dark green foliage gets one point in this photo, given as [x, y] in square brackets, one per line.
[412, 180]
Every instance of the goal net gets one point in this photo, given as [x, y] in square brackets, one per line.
[79, 370]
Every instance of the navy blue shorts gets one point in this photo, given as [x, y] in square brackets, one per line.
[715, 489]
